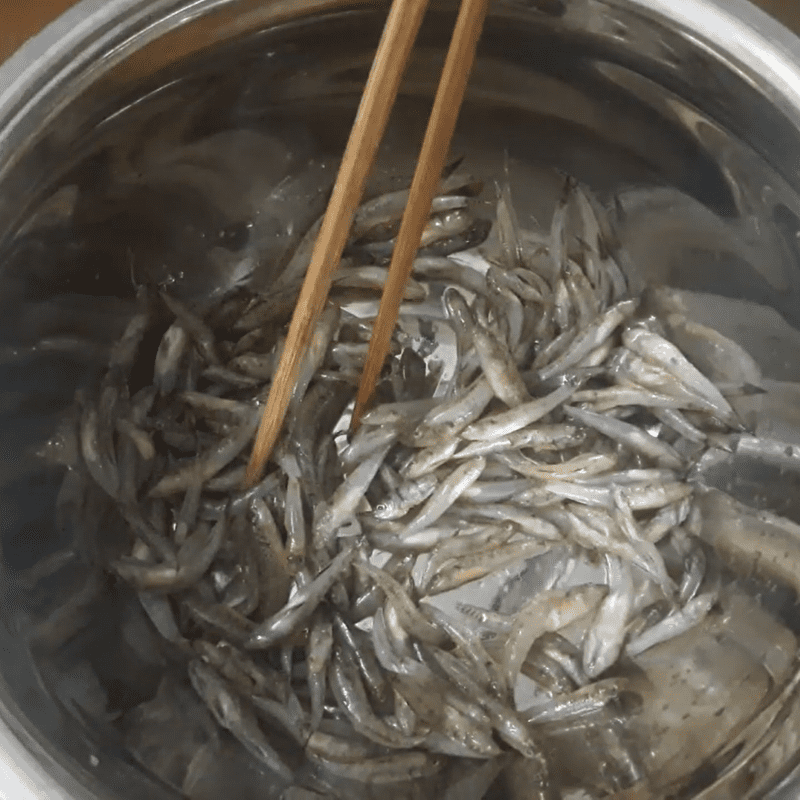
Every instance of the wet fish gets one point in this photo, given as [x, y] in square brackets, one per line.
[658, 350]
[531, 425]
[509, 422]
[606, 635]
[629, 435]
[193, 560]
[194, 325]
[233, 714]
[301, 606]
[446, 493]
[591, 338]
[674, 624]
[405, 496]
[208, 464]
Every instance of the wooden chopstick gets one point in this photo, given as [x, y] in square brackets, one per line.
[394, 49]
[435, 146]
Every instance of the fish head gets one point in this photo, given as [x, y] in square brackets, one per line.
[386, 509]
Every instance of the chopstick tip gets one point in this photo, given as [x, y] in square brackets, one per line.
[255, 467]
[358, 413]
[266, 437]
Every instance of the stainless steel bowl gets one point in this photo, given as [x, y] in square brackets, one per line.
[700, 95]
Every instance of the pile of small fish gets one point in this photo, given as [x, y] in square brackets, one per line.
[531, 409]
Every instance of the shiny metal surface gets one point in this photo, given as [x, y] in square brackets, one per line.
[25, 20]
[703, 96]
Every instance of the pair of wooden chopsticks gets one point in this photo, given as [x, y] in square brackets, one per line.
[394, 49]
